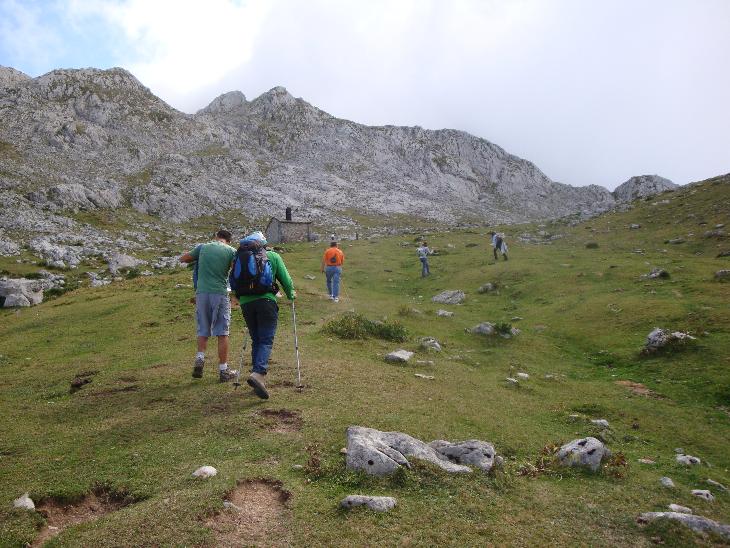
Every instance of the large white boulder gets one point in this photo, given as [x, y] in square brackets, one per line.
[587, 452]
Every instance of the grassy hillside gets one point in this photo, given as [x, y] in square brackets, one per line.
[136, 432]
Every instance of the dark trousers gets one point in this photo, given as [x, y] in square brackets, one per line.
[261, 317]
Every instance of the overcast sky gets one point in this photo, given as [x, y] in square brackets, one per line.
[592, 92]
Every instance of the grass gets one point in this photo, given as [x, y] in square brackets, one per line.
[142, 425]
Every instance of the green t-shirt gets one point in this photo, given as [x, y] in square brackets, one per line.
[281, 275]
[214, 262]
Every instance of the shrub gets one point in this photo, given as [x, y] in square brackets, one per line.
[503, 328]
[357, 326]
[592, 245]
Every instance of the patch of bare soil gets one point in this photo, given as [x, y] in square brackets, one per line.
[61, 515]
[639, 389]
[255, 513]
[81, 380]
[281, 421]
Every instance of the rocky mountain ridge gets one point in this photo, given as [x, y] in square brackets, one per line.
[87, 139]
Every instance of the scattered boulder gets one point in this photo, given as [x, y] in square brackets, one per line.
[484, 328]
[21, 292]
[512, 381]
[657, 273]
[722, 275]
[487, 288]
[205, 472]
[524, 376]
[667, 482]
[444, 313]
[380, 453]
[449, 297]
[663, 338]
[471, 452]
[430, 344]
[376, 504]
[399, 356]
[118, 261]
[24, 501]
[679, 508]
[703, 494]
[588, 452]
[687, 460]
[603, 423]
[647, 461]
[715, 234]
[699, 524]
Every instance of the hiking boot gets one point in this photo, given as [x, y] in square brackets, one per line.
[257, 381]
[227, 375]
[198, 368]
[336, 299]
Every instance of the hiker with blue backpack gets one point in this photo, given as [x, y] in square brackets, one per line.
[212, 261]
[253, 280]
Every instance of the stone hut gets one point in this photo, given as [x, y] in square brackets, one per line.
[281, 232]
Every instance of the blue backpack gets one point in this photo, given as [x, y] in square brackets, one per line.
[251, 273]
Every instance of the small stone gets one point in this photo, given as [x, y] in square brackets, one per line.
[647, 461]
[376, 504]
[512, 381]
[716, 484]
[703, 494]
[230, 506]
[24, 501]
[680, 509]
[449, 297]
[425, 362]
[205, 472]
[343, 451]
[722, 275]
[400, 356]
[600, 422]
[484, 328]
[309, 277]
[634, 226]
[667, 482]
[430, 344]
[297, 467]
[687, 460]
[427, 377]
[444, 313]
[523, 376]
[487, 288]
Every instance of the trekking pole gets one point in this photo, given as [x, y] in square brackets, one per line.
[296, 345]
[237, 382]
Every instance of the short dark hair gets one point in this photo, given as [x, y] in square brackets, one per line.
[333, 243]
[224, 234]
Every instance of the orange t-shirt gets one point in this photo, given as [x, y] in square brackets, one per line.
[334, 257]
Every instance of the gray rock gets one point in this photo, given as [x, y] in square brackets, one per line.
[444, 313]
[722, 275]
[377, 504]
[687, 460]
[487, 288]
[698, 524]
[471, 452]
[24, 501]
[675, 241]
[587, 452]
[484, 328]
[716, 484]
[603, 423]
[634, 226]
[309, 277]
[422, 376]
[523, 376]
[667, 482]
[449, 297]
[380, 453]
[8, 248]
[703, 494]
[657, 273]
[22, 292]
[119, 261]
[430, 344]
[205, 472]
[642, 186]
[661, 338]
[399, 356]
[680, 509]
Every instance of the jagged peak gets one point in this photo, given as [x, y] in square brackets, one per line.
[10, 76]
[227, 102]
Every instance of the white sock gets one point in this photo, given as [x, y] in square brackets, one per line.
[200, 355]
[222, 366]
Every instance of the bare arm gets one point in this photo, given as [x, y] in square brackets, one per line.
[187, 258]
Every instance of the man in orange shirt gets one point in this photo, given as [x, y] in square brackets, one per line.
[332, 261]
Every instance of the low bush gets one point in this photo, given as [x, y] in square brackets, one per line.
[357, 326]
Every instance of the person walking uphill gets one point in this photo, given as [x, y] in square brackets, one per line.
[212, 305]
[498, 244]
[332, 262]
[423, 252]
[253, 280]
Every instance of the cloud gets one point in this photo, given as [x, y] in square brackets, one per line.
[27, 39]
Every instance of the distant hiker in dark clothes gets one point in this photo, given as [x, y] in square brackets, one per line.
[212, 304]
[423, 252]
[498, 244]
[332, 262]
[253, 280]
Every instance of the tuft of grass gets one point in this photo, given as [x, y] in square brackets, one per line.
[357, 326]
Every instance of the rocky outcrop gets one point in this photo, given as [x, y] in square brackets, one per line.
[642, 186]
[21, 292]
[699, 524]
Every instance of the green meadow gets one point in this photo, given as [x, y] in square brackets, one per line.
[142, 425]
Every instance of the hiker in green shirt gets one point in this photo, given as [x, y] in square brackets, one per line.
[212, 304]
[256, 294]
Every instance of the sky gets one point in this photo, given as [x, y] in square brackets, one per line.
[591, 91]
